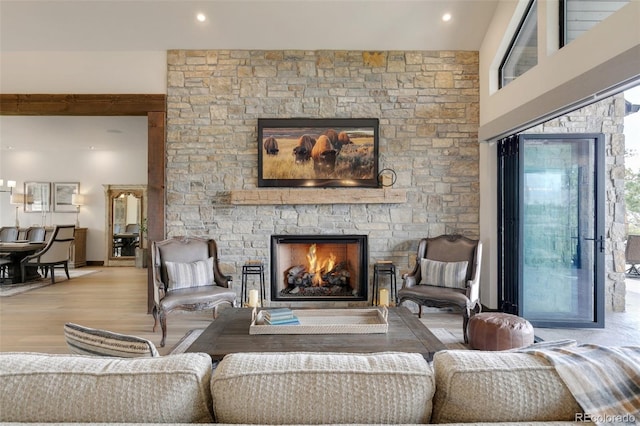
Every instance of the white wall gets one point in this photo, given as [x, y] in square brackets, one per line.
[562, 77]
[83, 72]
[56, 149]
[596, 61]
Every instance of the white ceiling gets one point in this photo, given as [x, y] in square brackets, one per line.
[159, 25]
[120, 25]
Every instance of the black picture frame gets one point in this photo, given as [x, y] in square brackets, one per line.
[336, 152]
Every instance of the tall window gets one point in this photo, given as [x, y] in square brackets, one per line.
[579, 16]
[522, 54]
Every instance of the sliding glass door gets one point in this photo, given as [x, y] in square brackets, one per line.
[552, 234]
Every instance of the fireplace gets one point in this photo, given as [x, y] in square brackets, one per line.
[319, 267]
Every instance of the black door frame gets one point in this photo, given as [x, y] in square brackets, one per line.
[510, 205]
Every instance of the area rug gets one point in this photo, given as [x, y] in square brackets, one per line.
[7, 290]
[450, 340]
[186, 341]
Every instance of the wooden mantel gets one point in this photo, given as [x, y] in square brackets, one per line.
[283, 196]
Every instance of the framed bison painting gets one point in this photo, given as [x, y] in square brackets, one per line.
[310, 152]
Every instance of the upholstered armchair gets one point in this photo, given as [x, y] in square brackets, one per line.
[55, 253]
[446, 274]
[186, 276]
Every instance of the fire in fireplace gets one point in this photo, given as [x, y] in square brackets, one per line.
[319, 267]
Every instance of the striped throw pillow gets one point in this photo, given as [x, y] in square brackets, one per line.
[194, 274]
[444, 274]
[90, 341]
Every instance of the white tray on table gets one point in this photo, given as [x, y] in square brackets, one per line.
[326, 321]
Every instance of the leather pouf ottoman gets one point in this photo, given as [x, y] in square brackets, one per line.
[497, 331]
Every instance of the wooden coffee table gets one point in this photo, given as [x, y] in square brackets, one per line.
[229, 333]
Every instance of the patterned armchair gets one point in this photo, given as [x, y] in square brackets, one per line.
[446, 274]
[186, 276]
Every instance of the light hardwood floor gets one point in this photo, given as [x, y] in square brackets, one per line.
[116, 299]
[112, 298]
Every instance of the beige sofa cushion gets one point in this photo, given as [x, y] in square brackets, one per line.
[316, 388]
[74, 388]
[473, 386]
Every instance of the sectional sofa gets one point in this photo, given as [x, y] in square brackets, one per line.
[459, 387]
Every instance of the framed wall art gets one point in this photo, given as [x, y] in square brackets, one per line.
[308, 152]
[62, 192]
[37, 197]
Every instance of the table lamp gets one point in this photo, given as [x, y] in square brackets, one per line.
[77, 200]
[17, 199]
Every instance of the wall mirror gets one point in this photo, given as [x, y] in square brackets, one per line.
[126, 210]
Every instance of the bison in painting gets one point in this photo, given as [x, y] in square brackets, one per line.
[302, 152]
[271, 146]
[324, 156]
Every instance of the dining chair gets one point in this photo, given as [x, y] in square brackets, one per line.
[35, 234]
[4, 265]
[632, 255]
[8, 234]
[55, 253]
[130, 244]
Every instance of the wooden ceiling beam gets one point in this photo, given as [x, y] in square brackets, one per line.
[81, 105]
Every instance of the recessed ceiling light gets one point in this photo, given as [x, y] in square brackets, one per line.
[201, 17]
[446, 17]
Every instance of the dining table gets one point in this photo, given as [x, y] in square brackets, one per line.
[125, 243]
[16, 251]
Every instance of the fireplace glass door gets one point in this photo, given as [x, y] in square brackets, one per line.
[318, 267]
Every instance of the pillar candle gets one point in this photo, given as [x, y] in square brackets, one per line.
[383, 298]
[253, 298]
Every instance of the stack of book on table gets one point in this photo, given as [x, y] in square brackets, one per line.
[280, 316]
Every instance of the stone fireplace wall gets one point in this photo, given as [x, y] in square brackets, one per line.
[427, 103]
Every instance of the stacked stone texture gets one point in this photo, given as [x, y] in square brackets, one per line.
[427, 104]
